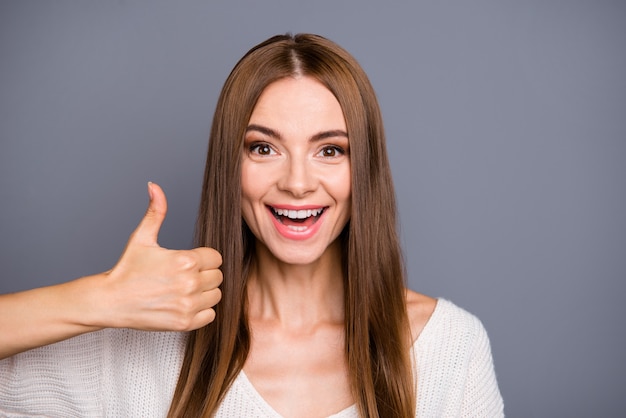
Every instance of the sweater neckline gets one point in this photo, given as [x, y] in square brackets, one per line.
[270, 412]
[350, 411]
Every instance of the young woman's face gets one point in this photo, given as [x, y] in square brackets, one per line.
[296, 170]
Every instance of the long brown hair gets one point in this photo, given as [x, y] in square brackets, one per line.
[376, 325]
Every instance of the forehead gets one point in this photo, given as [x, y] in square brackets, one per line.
[298, 103]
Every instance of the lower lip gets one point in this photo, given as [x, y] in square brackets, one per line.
[292, 234]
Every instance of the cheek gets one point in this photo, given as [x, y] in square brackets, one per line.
[254, 186]
[250, 181]
[344, 185]
[248, 213]
[248, 188]
[342, 191]
[347, 190]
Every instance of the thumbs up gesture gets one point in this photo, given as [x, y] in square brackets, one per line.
[150, 288]
[153, 288]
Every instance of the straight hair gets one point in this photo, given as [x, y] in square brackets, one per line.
[377, 336]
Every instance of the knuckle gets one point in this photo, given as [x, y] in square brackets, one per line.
[185, 306]
[185, 260]
[183, 318]
[189, 285]
[183, 324]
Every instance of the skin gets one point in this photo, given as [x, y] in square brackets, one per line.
[150, 288]
[297, 155]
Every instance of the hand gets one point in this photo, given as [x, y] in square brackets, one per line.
[153, 288]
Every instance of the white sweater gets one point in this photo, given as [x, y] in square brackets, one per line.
[126, 373]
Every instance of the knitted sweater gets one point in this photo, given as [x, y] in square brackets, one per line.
[127, 373]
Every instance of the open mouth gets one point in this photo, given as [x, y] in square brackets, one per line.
[302, 218]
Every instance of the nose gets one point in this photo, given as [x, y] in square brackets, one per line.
[298, 177]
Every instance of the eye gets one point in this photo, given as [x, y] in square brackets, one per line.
[261, 149]
[331, 151]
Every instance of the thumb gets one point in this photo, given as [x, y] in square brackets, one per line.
[147, 231]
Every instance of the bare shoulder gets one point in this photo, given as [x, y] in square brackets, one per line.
[419, 309]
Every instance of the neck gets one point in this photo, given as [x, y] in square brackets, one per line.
[296, 296]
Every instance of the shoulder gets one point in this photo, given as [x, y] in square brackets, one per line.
[451, 327]
[432, 318]
[452, 339]
[452, 358]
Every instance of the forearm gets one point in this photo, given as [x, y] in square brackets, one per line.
[46, 315]
[150, 288]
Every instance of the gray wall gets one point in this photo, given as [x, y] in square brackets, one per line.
[507, 134]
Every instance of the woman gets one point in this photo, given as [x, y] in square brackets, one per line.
[314, 318]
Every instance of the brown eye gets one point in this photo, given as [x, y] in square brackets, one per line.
[331, 151]
[261, 149]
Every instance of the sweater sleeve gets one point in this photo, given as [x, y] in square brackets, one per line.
[108, 373]
[481, 395]
[58, 380]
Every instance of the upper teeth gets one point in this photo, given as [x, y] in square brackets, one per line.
[298, 214]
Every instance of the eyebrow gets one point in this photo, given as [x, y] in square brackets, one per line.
[317, 137]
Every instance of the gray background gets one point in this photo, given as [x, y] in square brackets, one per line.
[507, 135]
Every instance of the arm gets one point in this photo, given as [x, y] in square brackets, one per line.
[482, 397]
[150, 288]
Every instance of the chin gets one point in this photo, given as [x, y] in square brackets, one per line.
[298, 258]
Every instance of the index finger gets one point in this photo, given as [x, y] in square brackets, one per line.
[208, 258]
